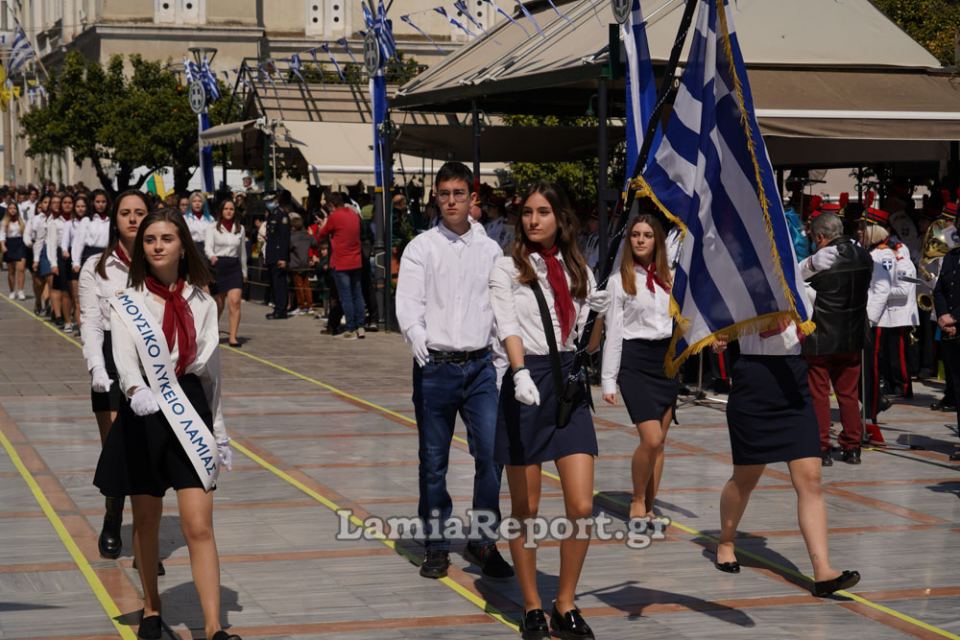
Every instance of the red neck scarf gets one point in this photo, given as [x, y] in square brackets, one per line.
[562, 300]
[198, 214]
[122, 255]
[178, 327]
[227, 224]
[652, 277]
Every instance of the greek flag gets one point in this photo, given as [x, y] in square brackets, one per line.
[641, 87]
[190, 70]
[209, 81]
[737, 273]
[21, 52]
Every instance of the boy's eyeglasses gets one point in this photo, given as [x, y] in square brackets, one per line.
[458, 195]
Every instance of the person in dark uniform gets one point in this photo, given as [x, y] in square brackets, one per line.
[277, 252]
[946, 302]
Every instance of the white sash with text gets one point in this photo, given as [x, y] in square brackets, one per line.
[196, 440]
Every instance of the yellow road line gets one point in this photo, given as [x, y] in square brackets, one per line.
[332, 506]
[689, 530]
[108, 604]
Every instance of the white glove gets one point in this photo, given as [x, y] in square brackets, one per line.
[100, 381]
[599, 301]
[420, 352]
[820, 261]
[524, 390]
[225, 453]
[143, 402]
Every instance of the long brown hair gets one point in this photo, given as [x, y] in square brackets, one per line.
[192, 267]
[237, 227]
[566, 240]
[628, 260]
[114, 237]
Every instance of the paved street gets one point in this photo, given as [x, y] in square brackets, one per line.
[322, 424]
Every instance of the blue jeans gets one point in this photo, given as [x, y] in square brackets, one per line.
[440, 392]
[350, 292]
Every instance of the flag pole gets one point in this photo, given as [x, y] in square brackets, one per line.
[627, 198]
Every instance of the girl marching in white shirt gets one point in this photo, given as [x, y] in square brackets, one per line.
[68, 237]
[547, 270]
[225, 247]
[40, 267]
[58, 281]
[171, 433]
[101, 277]
[198, 220]
[14, 250]
[639, 328]
[93, 232]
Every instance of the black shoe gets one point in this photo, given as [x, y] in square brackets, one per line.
[728, 567]
[942, 405]
[235, 345]
[276, 316]
[851, 456]
[571, 625]
[826, 460]
[161, 571]
[151, 628]
[488, 557]
[845, 580]
[533, 626]
[883, 404]
[435, 564]
[955, 456]
[223, 635]
[109, 542]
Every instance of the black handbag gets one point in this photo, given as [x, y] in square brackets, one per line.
[572, 391]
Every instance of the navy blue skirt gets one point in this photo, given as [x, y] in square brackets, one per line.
[769, 412]
[229, 274]
[644, 385]
[16, 250]
[529, 435]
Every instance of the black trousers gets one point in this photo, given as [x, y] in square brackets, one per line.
[280, 287]
[369, 291]
[894, 365]
[871, 372]
[950, 349]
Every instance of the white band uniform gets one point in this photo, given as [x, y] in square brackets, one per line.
[197, 441]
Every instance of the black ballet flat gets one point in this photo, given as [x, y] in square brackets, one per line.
[728, 567]
[235, 345]
[845, 580]
[223, 635]
[533, 625]
[571, 625]
[151, 628]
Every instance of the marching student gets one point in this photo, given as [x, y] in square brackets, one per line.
[101, 277]
[770, 417]
[58, 280]
[165, 330]
[444, 311]
[40, 266]
[198, 220]
[226, 250]
[93, 232]
[639, 328]
[14, 250]
[79, 205]
[541, 295]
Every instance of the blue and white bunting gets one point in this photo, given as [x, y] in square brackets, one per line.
[641, 86]
[21, 52]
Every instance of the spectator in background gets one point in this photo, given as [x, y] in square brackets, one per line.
[302, 245]
[590, 241]
[276, 254]
[343, 228]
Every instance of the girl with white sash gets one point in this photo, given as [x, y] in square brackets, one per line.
[171, 433]
[101, 277]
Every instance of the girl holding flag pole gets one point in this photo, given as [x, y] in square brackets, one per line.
[172, 430]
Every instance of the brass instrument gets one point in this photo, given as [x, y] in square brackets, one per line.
[939, 239]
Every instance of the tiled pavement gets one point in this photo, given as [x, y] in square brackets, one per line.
[896, 518]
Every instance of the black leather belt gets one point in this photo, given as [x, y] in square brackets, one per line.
[456, 357]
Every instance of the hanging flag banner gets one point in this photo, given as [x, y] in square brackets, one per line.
[711, 175]
[641, 86]
[346, 47]
[506, 15]
[409, 21]
[529, 16]
[454, 21]
[461, 6]
[333, 59]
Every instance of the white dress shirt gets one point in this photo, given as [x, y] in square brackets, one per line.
[37, 234]
[94, 300]
[52, 241]
[518, 314]
[27, 210]
[226, 244]
[901, 309]
[785, 343]
[206, 365]
[12, 230]
[443, 292]
[93, 231]
[198, 227]
[644, 316]
[68, 234]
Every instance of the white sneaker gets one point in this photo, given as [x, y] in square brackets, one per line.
[13, 295]
[361, 334]
[348, 335]
[21, 295]
[68, 327]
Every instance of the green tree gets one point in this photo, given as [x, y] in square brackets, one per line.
[932, 23]
[103, 116]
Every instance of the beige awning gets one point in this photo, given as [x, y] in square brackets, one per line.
[225, 133]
